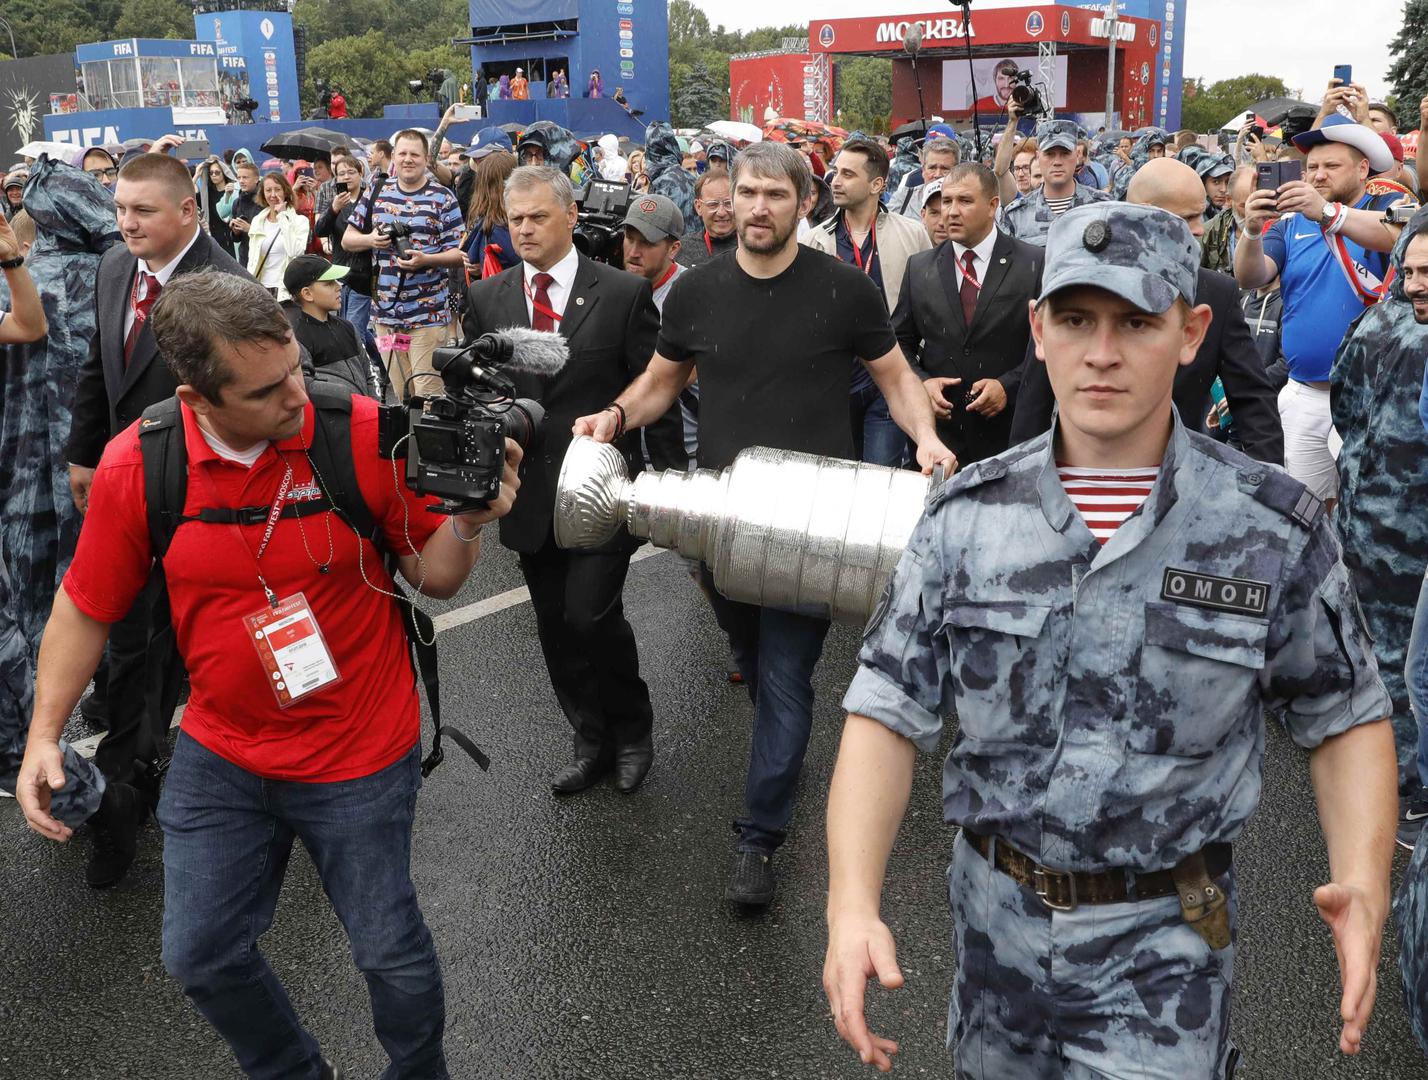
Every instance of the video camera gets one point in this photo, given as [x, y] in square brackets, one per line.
[455, 445]
[599, 229]
[1027, 97]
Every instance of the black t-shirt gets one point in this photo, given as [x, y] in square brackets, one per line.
[773, 355]
[327, 340]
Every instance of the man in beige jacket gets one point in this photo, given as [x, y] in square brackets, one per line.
[863, 233]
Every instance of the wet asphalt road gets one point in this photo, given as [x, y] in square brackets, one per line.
[588, 937]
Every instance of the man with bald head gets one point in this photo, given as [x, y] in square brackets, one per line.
[1227, 352]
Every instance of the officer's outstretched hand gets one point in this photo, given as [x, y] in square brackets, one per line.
[857, 950]
[41, 773]
[1357, 923]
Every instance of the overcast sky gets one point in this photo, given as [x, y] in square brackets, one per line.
[1298, 40]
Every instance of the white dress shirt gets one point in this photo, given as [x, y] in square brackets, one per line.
[981, 255]
[559, 292]
[163, 274]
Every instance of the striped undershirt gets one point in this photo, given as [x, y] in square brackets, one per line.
[1060, 206]
[1106, 497]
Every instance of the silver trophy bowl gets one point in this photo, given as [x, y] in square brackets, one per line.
[813, 535]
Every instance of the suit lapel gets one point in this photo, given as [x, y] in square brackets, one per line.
[146, 348]
[115, 298]
[513, 298]
[951, 282]
[994, 275]
[581, 299]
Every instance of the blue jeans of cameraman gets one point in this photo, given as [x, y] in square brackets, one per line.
[1416, 675]
[227, 838]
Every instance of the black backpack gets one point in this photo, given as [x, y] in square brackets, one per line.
[165, 460]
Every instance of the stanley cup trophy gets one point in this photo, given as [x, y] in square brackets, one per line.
[812, 535]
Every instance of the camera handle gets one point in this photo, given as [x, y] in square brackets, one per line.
[966, 6]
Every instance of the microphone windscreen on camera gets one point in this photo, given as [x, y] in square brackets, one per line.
[539, 352]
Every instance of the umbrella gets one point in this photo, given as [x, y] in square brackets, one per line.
[735, 131]
[917, 129]
[1273, 110]
[58, 151]
[513, 129]
[788, 130]
[308, 142]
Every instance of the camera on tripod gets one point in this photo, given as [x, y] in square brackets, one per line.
[1027, 97]
[600, 227]
[455, 445]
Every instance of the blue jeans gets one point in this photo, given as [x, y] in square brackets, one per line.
[357, 309]
[227, 838]
[776, 652]
[876, 437]
[1416, 675]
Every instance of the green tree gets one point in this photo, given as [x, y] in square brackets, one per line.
[699, 99]
[373, 70]
[1409, 71]
[1205, 108]
[863, 93]
[687, 23]
[155, 19]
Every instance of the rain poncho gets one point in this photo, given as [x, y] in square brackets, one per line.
[74, 226]
[662, 165]
[1383, 477]
[1140, 154]
[904, 162]
[613, 166]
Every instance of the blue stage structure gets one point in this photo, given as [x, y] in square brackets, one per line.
[625, 41]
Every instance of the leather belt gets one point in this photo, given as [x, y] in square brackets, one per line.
[1065, 890]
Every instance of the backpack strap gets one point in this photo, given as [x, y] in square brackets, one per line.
[165, 458]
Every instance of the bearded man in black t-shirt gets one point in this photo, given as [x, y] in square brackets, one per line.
[773, 329]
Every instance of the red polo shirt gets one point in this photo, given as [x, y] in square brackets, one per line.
[346, 730]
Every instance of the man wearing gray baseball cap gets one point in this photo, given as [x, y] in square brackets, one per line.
[1030, 217]
[1109, 658]
[653, 226]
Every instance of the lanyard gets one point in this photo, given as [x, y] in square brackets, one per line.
[708, 243]
[667, 275]
[857, 252]
[274, 512]
[962, 271]
[536, 304]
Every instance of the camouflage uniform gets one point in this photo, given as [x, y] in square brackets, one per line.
[1383, 479]
[1110, 707]
[1410, 911]
[1145, 138]
[84, 783]
[1216, 246]
[1029, 218]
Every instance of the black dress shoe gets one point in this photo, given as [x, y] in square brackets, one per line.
[95, 710]
[580, 774]
[331, 1071]
[116, 834]
[632, 763]
[752, 882]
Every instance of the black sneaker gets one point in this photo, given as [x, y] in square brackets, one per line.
[116, 835]
[94, 707]
[1412, 813]
[752, 882]
[331, 1071]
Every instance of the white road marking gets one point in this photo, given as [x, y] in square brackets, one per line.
[447, 620]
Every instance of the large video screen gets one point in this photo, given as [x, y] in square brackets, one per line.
[994, 83]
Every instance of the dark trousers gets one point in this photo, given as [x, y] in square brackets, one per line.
[589, 646]
[227, 838]
[145, 679]
[776, 652]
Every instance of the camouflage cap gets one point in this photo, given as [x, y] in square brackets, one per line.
[1063, 133]
[1142, 254]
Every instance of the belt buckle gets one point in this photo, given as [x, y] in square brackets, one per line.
[1041, 882]
[252, 515]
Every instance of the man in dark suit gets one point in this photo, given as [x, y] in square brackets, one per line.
[1228, 351]
[159, 220]
[961, 316]
[612, 325]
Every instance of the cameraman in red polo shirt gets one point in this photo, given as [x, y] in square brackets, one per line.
[302, 721]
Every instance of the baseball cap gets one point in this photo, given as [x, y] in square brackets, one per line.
[1142, 254]
[1058, 133]
[940, 131]
[929, 189]
[488, 141]
[17, 177]
[1395, 145]
[1339, 128]
[656, 217]
[307, 269]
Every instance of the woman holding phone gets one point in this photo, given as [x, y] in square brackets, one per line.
[348, 177]
[276, 235]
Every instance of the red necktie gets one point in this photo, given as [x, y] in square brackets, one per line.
[970, 286]
[541, 318]
[141, 313]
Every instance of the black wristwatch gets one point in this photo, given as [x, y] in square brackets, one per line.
[11, 264]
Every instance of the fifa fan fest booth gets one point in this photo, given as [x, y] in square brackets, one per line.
[1063, 47]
